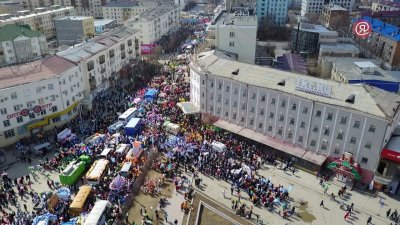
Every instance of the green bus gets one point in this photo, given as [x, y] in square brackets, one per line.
[74, 170]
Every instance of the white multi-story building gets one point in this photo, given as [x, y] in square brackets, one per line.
[37, 96]
[301, 117]
[384, 5]
[124, 10]
[18, 43]
[11, 6]
[156, 22]
[101, 59]
[41, 21]
[235, 33]
[273, 12]
[314, 7]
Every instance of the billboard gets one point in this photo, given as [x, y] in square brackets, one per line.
[362, 29]
[146, 49]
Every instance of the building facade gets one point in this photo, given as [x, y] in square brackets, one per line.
[103, 59]
[18, 43]
[384, 5]
[384, 43]
[272, 12]
[103, 25]
[37, 96]
[314, 7]
[11, 6]
[309, 37]
[74, 29]
[155, 23]
[235, 33]
[335, 17]
[40, 21]
[281, 110]
[124, 10]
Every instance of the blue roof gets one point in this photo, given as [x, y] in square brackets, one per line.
[385, 29]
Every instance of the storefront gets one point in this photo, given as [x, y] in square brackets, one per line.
[346, 170]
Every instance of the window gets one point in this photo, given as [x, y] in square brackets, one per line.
[305, 109]
[203, 82]
[271, 115]
[289, 135]
[283, 103]
[303, 124]
[219, 85]
[20, 119]
[313, 143]
[56, 119]
[252, 109]
[263, 98]
[260, 125]
[294, 106]
[219, 98]
[371, 129]
[226, 101]
[9, 133]
[324, 145]
[272, 101]
[343, 120]
[261, 112]
[231, 44]
[50, 86]
[226, 114]
[356, 124]
[318, 113]
[242, 119]
[234, 104]
[218, 110]
[31, 115]
[14, 95]
[254, 96]
[227, 88]
[353, 140]
[244, 92]
[235, 91]
[243, 105]
[211, 84]
[280, 131]
[315, 129]
[329, 116]
[3, 111]
[326, 131]
[336, 151]
[300, 139]
[251, 121]
[292, 121]
[54, 108]
[234, 116]
[269, 128]
[231, 34]
[368, 145]
[340, 135]
[281, 117]
[17, 107]
[6, 123]
[364, 160]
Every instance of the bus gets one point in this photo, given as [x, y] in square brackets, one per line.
[97, 215]
[97, 172]
[81, 201]
[127, 115]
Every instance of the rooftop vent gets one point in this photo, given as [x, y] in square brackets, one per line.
[236, 72]
[350, 99]
[282, 82]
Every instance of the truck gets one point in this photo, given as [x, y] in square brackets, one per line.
[134, 127]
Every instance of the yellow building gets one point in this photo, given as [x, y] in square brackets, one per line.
[74, 29]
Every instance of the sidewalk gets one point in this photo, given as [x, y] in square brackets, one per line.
[173, 209]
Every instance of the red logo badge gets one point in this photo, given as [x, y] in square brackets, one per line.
[362, 29]
[37, 109]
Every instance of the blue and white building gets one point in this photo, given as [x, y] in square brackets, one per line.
[275, 11]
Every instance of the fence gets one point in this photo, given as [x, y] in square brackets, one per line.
[136, 186]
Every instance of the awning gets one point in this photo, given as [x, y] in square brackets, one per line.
[276, 143]
[188, 108]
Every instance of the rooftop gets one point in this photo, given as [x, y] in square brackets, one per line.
[339, 47]
[350, 68]
[86, 50]
[315, 28]
[369, 100]
[155, 13]
[292, 62]
[33, 71]
[75, 18]
[241, 17]
[32, 14]
[10, 32]
[130, 4]
[100, 22]
[385, 29]
[335, 8]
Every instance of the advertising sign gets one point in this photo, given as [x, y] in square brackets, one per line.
[146, 49]
[362, 29]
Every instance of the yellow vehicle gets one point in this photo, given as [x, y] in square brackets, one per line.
[97, 172]
[80, 202]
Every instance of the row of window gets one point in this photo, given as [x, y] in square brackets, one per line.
[11, 133]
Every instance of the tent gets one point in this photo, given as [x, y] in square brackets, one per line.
[188, 108]
[150, 94]
[118, 183]
[64, 134]
[44, 219]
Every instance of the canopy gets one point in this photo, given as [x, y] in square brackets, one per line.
[345, 168]
[44, 219]
[188, 108]
[118, 183]
[64, 134]
[63, 193]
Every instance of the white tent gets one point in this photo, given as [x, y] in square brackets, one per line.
[63, 134]
[188, 108]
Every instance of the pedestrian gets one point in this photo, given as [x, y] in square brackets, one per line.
[322, 203]
[166, 216]
[175, 222]
[25, 207]
[157, 215]
[388, 212]
[346, 215]
[332, 196]
[369, 220]
[224, 193]
[232, 190]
